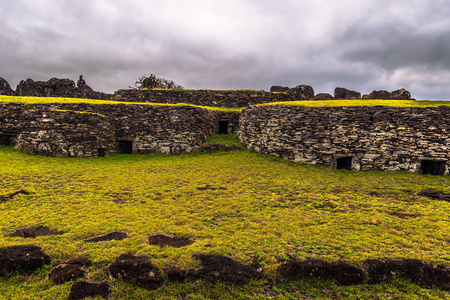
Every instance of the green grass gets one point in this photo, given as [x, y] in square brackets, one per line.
[272, 210]
[362, 102]
[44, 100]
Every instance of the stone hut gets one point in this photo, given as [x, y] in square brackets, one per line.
[414, 139]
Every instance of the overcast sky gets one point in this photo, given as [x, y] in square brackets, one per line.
[362, 45]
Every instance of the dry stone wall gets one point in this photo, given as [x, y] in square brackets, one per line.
[358, 138]
[208, 97]
[98, 130]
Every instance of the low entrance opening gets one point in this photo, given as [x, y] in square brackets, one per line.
[125, 147]
[223, 127]
[101, 152]
[6, 139]
[344, 163]
[433, 167]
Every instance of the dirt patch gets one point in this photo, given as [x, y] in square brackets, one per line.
[169, 240]
[435, 195]
[217, 268]
[10, 196]
[344, 273]
[114, 235]
[73, 268]
[83, 289]
[210, 187]
[24, 259]
[403, 215]
[32, 232]
[415, 270]
[137, 270]
[220, 147]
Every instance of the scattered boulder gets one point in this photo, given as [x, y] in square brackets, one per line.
[380, 95]
[415, 270]
[10, 196]
[70, 269]
[302, 92]
[114, 235]
[342, 93]
[32, 232]
[169, 240]
[58, 88]
[344, 273]
[137, 270]
[24, 259]
[5, 88]
[84, 289]
[324, 96]
[217, 268]
[401, 94]
[279, 89]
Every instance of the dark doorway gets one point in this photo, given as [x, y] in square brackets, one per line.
[223, 127]
[6, 139]
[101, 152]
[125, 147]
[344, 163]
[433, 167]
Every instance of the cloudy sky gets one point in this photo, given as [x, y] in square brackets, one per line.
[362, 45]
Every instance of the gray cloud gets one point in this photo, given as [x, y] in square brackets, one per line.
[362, 45]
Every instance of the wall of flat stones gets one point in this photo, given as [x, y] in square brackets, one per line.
[205, 97]
[97, 130]
[374, 138]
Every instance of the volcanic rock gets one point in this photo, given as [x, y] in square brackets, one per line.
[114, 235]
[24, 259]
[279, 89]
[137, 270]
[70, 269]
[302, 92]
[83, 289]
[342, 93]
[169, 240]
[5, 88]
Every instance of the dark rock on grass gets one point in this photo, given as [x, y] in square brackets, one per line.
[324, 96]
[217, 268]
[70, 269]
[415, 270]
[302, 92]
[343, 93]
[435, 195]
[344, 273]
[136, 270]
[24, 259]
[10, 196]
[5, 88]
[210, 187]
[169, 240]
[114, 235]
[32, 232]
[278, 89]
[83, 289]
[175, 274]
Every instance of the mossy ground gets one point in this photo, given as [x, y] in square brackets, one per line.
[272, 210]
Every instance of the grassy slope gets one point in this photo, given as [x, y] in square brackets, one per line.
[272, 210]
[374, 102]
[41, 100]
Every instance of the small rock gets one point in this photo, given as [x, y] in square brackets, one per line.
[70, 269]
[84, 289]
[137, 270]
[169, 240]
[114, 235]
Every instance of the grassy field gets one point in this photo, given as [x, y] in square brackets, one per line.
[271, 210]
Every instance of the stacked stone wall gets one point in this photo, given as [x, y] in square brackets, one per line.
[97, 130]
[231, 99]
[370, 138]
